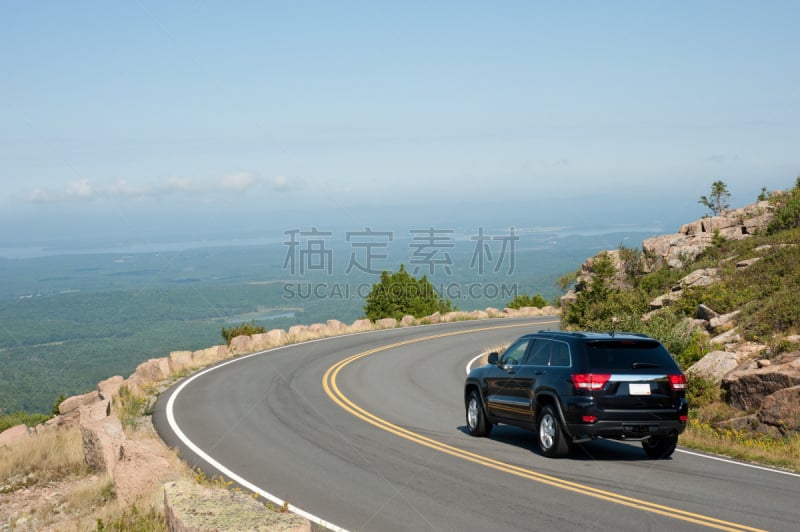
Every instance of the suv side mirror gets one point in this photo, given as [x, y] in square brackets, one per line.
[493, 358]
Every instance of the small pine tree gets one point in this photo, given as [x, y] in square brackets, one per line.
[399, 294]
[717, 201]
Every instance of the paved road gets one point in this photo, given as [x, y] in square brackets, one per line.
[372, 438]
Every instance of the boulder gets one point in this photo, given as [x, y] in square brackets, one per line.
[715, 365]
[153, 370]
[728, 337]
[241, 344]
[386, 323]
[747, 388]
[742, 264]
[493, 312]
[705, 313]
[276, 337]
[455, 315]
[109, 388]
[317, 330]
[569, 298]
[102, 440]
[180, 361]
[782, 409]
[724, 322]
[14, 434]
[260, 342]
[336, 326]
[408, 321]
[436, 317]
[478, 315]
[361, 325]
[141, 465]
[210, 355]
[702, 277]
[72, 404]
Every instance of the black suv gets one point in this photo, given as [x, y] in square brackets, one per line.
[572, 387]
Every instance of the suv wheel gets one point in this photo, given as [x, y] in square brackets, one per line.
[660, 446]
[476, 418]
[552, 440]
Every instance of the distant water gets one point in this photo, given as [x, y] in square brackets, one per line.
[25, 250]
[18, 251]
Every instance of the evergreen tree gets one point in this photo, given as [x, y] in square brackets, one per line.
[717, 201]
[399, 294]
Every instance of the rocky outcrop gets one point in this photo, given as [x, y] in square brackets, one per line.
[782, 410]
[715, 365]
[678, 249]
[14, 434]
[748, 387]
[766, 388]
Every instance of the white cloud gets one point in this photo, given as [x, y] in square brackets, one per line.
[81, 189]
[181, 184]
[40, 195]
[124, 189]
[283, 184]
[239, 182]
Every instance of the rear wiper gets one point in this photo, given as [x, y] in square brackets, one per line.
[640, 365]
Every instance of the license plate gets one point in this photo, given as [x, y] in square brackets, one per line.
[637, 388]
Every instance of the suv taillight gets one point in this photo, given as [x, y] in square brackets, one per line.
[677, 382]
[590, 381]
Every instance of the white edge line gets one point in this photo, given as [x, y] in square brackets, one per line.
[735, 462]
[224, 470]
[471, 362]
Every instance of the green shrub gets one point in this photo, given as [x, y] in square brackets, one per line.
[524, 300]
[245, 329]
[131, 406]
[400, 294]
[787, 214]
[21, 418]
[701, 391]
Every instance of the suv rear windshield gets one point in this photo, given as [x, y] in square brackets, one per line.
[628, 354]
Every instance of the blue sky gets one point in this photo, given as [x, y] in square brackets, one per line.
[145, 117]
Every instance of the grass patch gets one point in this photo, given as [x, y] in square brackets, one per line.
[782, 452]
[46, 457]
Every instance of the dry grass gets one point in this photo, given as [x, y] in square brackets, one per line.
[53, 455]
[46, 485]
[707, 431]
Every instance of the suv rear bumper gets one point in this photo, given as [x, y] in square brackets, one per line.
[625, 429]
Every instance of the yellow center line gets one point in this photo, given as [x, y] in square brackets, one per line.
[332, 390]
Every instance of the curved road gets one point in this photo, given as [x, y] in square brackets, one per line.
[367, 432]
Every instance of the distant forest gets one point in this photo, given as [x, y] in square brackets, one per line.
[68, 322]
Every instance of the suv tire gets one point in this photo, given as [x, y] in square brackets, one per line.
[476, 418]
[552, 440]
[660, 446]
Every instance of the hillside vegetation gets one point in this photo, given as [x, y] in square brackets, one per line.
[765, 294]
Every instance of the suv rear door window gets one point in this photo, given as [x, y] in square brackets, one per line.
[628, 354]
[560, 355]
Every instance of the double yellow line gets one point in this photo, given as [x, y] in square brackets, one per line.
[333, 391]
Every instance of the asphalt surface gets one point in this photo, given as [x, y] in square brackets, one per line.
[365, 437]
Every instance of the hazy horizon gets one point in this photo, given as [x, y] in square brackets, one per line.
[185, 120]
